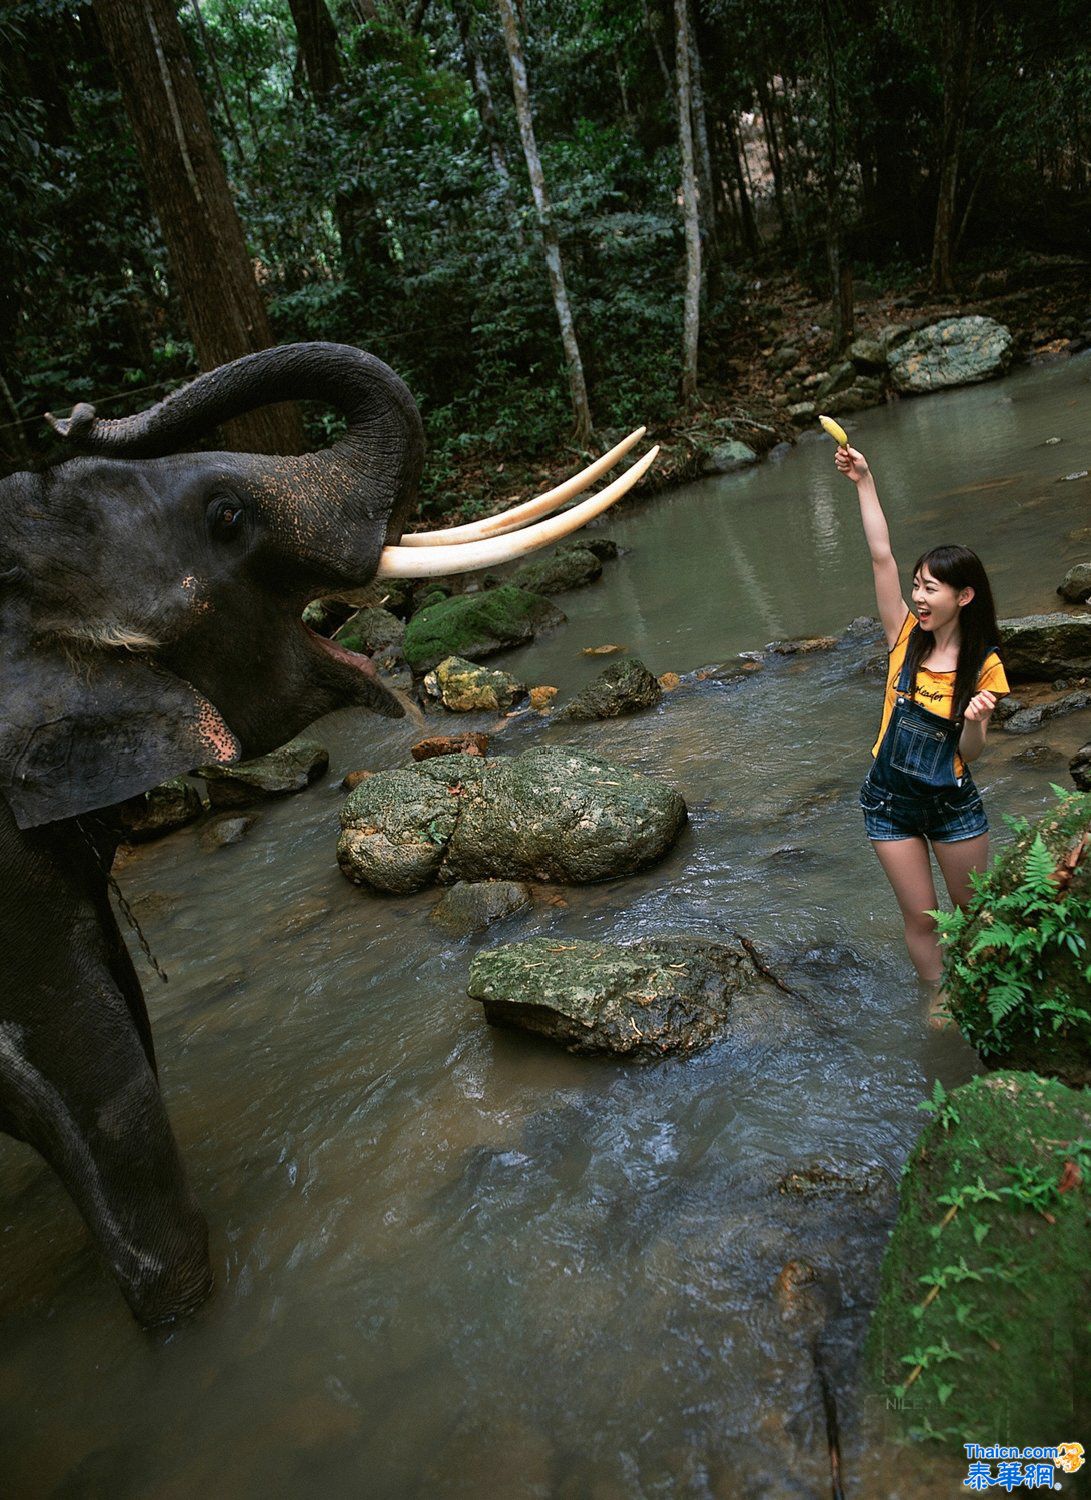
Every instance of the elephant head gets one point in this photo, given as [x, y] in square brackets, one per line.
[151, 604]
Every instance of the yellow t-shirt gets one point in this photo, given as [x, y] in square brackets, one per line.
[935, 690]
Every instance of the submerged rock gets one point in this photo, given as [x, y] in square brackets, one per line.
[462, 686]
[1027, 720]
[476, 625]
[954, 351]
[986, 1270]
[548, 814]
[290, 769]
[725, 458]
[626, 687]
[472, 906]
[567, 568]
[640, 1000]
[165, 808]
[470, 743]
[818, 1178]
[224, 831]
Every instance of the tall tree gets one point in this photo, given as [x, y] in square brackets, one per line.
[691, 315]
[187, 185]
[840, 269]
[576, 384]
[958, 31]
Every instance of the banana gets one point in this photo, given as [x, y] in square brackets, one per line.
[835, 430]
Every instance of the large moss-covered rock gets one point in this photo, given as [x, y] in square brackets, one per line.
[639, 1000]
[954, 351]
[476, 625]
[548, 814]
[981, 1330]
[280, 773]
[372, 632]
[1016, 961]
[1044, 647]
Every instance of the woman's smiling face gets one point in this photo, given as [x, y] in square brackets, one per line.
[936, 604]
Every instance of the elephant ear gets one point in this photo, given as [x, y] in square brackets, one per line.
[80, 735]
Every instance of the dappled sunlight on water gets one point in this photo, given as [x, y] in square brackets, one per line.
[456, 1261]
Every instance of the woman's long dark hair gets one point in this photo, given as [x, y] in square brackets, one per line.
[978, 631]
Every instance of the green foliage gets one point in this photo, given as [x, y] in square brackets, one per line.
[1016, 959]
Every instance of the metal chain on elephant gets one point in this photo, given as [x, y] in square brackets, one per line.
[126, 910]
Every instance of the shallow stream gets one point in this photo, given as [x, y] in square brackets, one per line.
[455, 1261]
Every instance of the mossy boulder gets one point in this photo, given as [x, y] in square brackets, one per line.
[290, 769]
[548, 814]
[954, 351]
[981, 1332]
[1016, 970]
[476, 625]
[635, 1000]
[472, 906]
[1041, 648]
[373, 632]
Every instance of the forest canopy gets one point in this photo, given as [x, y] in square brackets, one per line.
[380, 170]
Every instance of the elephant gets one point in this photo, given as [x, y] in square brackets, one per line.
[151, 602]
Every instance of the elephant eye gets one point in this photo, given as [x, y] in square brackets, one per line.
[224, 517]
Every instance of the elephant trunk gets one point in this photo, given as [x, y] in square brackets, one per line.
[373, 469]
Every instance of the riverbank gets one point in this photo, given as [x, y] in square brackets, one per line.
[747, 388]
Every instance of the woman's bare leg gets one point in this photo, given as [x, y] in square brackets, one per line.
[957, 860]
[909, 870]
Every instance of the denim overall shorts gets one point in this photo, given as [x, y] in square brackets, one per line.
[912, 790]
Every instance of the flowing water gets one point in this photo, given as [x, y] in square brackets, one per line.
[456, 1261]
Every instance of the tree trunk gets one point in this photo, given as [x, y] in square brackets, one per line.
[840, 271]
[576, 384]
[706, 199]
[482, 91]
[958, 30]
[187, 185]
[746, 211]
[692, 306]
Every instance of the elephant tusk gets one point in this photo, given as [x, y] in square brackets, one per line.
[529, 510]
[465, 557]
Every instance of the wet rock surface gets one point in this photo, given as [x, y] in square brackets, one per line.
[640, 1000]
[1025, 720]
[567, 568]
[463, 686]
[818, 1178]
[1076, 585]
[726, 458]
[374, 632]
[476, 626]
[472, 906]
[290, 769]
[1080, 768]
[473, 742]
[548, 814]
[160, 811]
[1045, 647]
[221, 832]
[625, 687]
[954, 351]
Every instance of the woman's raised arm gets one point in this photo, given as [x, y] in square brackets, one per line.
[888, 588]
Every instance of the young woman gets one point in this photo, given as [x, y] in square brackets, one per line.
[942, 684]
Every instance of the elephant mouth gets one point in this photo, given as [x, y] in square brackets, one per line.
[355, 659]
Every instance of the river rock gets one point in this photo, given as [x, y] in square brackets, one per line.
[373, 632]
[725, 458]
[476, 625]
[954, 351]
[470, 743]
[472, 906]
[603, 547]
[785, 358]
[639, 1000]
[223, 831]
[1044, 647]
[290, 769]
[802, 412]
[965, 1218]
[463, 686]
[1076, 587]
[803, 645]
[1080, 768]
[839, 378]
[867, 354]
[324, 616]
[152, 814]
[1027, 720]
[567, 568]
[548, 814]
[892, 335]
[818, 1178]
[626, 687]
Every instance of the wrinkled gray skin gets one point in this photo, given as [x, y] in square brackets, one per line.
[150, 603]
